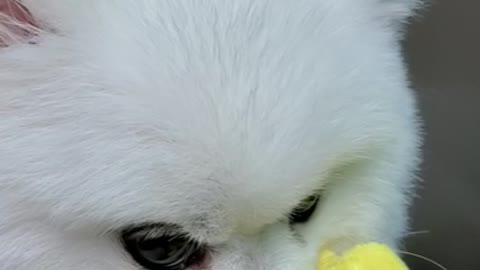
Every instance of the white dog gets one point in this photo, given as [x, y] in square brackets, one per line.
[202, 134]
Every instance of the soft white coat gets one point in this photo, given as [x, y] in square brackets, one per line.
[219, 116]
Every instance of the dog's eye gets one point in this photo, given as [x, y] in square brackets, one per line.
[164, 252]
[304, 210]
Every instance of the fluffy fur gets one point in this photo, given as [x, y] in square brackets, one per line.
[218, 116]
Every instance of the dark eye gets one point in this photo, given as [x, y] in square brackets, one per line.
[150, 247]
[304, 210]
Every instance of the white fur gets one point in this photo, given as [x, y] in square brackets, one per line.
[219, 116]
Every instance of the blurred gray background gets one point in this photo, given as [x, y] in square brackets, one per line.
[443, 52]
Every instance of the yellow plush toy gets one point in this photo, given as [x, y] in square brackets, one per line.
[370, 256]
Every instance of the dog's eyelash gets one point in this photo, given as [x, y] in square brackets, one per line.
[305, 209]
[153, 231]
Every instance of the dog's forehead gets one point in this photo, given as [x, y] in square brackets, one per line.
[216, 194]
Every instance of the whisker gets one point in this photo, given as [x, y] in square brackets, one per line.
[417, 233]
[424, 258]
[420, 179]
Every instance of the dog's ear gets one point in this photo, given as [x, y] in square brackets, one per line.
[16, 23]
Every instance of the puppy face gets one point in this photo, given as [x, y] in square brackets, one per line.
[207, 135]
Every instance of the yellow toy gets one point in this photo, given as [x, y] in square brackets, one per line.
[370, 256]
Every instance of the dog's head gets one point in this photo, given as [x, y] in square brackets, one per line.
[206, 135]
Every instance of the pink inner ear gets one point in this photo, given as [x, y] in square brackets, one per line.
[14, 22]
